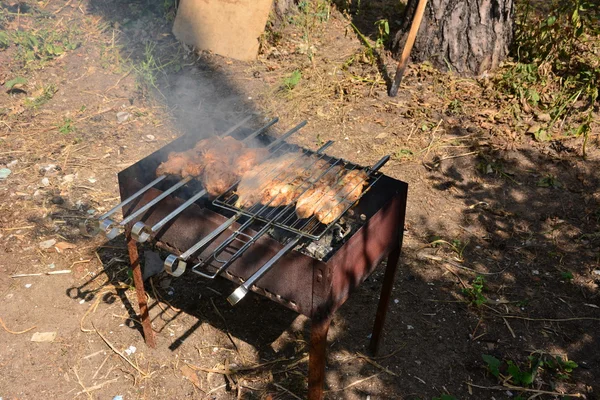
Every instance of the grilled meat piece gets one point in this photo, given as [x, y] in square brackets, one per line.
[206, 151]
[311, 200]
[256, 181]
[177, 162]
[287, 188]
[218, 177]
[248, 159]
[347, 190]
[330, 197]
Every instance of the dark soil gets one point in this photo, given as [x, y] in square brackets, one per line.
[520, 213]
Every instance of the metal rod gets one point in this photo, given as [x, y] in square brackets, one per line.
[244, 288]
[132, 197]
[210, 237]
[236, 255]
[142, 233]
[155, 200]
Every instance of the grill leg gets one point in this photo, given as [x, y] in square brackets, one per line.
[138, 281]
[384, 299]
[317, 358]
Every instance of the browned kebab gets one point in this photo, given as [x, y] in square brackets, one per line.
[219, 162]
[282, 181]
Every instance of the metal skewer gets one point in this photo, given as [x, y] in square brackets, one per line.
[141, 232]
[239, 293]
[109, 226]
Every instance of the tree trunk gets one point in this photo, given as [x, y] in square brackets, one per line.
[468, 36]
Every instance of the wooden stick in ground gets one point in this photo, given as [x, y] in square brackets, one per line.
[412, 34]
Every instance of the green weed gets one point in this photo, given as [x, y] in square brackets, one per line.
[557, 69]
[475, 292]
[455, 107]
[404, 154]
[549, 181]
[35, 48]
[291, 81]
[456, 245]
[19, 80]
[383, 33]
[567, 276]
[66, 127]
[48, 93]
[524, 374]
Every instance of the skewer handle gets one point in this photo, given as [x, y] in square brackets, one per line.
[244, 288]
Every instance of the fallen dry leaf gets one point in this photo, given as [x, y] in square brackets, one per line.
[191, 375]
[61, 246]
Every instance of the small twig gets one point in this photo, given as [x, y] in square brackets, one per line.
[456, 275]
[80, 262]
[159, 299]
[227, 371]
[13, 332]
[60, 9]
[17, 228]
[354, 383]
[100, 367]
[226, 328]
[550, 319]
[287, 391]
[25, 275]
[376, 365]
[458, 155]
[64, 165]
[59, 272]
[522, 389]
[119, 80]
[97, 387]
[93, 115]
[509, 328]
[391, 354]
[90, 309]
[455, 264]
[215, 389]
[119, 353]
[81, 384]
[94, 354]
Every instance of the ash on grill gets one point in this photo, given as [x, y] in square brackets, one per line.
[330, 242]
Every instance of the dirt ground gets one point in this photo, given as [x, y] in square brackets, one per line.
[501, 251]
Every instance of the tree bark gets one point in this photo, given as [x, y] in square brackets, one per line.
[470, 37]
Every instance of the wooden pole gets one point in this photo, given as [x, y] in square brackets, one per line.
[412, 34]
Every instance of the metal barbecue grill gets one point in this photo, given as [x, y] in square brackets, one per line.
[264, 248]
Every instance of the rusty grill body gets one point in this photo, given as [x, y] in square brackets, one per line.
[305, 284]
